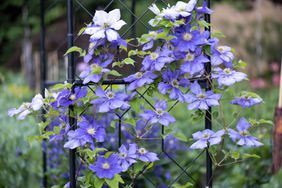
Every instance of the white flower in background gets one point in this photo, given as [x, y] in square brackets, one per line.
[27, 108]
[105, 25]
[185, 9]
[172, 12]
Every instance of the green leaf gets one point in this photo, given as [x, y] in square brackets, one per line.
[130, 121]
[204, 24]
[114, 73]
[217, 34]
[180, 136]
[98, 183]
[128, 61]
[81, 31]
[235, 155]
[246, 156]
[241, 64]
[114, 183]
[74, 49]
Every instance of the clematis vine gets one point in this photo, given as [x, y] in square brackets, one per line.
[116, 128]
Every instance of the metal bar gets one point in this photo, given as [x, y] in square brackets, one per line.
[208, 116]
[133, 7]
[71, 79]
[43, 74]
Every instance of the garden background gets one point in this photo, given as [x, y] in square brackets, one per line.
[252, 27]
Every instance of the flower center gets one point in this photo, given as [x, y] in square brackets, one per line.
[106, 166]
[159, 111]
[91, 131]
[72, 97]
[154, 56]
[174, 83]
[220, 49]
[190, 57]
[227, 71]
[244, 133]
[110, 95]
[187, 36]
[122, 155]
[201, 96]
[206, 135]
[142, 151]
[93, 66]
[106, 25]
[138, 75]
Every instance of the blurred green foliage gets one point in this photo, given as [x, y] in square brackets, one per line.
[20, 162]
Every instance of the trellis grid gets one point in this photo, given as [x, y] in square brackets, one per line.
[72, 7]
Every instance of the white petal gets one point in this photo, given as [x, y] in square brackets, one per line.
[100, 17]
[99, 35]
[155, 9]
[13, 111]
[91, 30]
[117, 25]
[114, 16]
[37, 102]
[111, 35]
[23, 114]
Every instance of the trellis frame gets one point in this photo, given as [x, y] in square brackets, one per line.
[205, 83]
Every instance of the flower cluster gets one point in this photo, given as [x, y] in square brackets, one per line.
[173, 62]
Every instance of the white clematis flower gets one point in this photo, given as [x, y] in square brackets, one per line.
[105, 25]
[27, 108]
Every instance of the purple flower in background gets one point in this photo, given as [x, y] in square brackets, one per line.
[172, 81]
[242, 137]
[198, 99]
[105, 25]
[221, 54]
[204, 9]
[206, 138]
[172, 144]
[157, 59]
[108, 100]
[66, 98]
[106, 167]
[127, 156]
[246, 101]
[146, 156]
[159, 115]
[89, 129]
[228, 76]
[187, 40]
[193, 62]
[139, 79]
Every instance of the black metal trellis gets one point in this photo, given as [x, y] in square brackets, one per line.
[205, 83]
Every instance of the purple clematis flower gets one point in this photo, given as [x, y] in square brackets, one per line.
[146, 156]
[221, 54]
[204, 9]
[187, 40]
[206, 138]
[158, 59]
[242, 137]
[172, 81]
[105, 25]
[246, 101]
[106, 167]
[139, 79]
[95, 71]
[89, 129]
[228, 76]
[151, 37]
[159, 115]
[66, 98]
[108, 100]
[193, 62]
[127, 156]
[198, 99]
